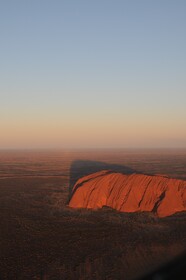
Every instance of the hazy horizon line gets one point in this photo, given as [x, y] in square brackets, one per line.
[90, 148]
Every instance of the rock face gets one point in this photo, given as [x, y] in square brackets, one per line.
[130, 193]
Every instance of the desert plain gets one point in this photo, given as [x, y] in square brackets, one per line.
[42, 238]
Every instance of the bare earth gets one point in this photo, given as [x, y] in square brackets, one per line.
[41, 238]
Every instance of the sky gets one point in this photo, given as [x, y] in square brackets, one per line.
[92, 74]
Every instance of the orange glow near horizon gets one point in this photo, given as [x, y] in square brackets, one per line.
[90, 132]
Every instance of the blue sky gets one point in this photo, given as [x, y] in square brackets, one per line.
[92, 73]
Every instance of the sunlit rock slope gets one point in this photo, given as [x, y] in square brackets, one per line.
[130, 193]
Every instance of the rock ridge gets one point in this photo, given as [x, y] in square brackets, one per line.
[130, 193]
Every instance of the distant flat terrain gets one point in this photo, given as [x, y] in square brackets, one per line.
[41, 238]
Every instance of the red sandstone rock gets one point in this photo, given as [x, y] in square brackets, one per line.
[130, 193]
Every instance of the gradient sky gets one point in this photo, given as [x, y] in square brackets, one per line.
[92, 73]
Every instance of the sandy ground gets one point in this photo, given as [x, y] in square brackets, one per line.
[41, 238]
